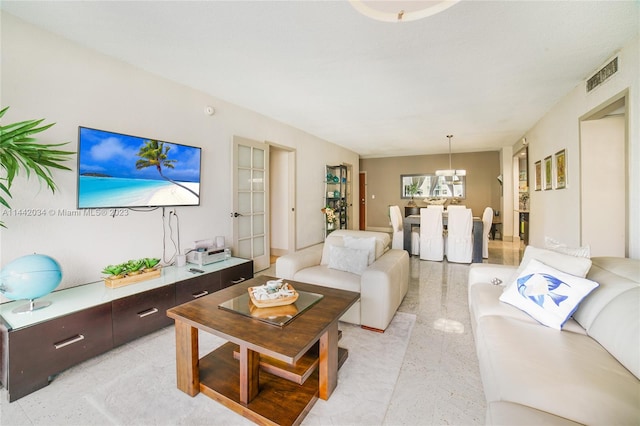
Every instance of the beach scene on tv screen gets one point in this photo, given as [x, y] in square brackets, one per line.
[117, 170]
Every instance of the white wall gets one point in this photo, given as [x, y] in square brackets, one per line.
[44, 75]
[556, 213]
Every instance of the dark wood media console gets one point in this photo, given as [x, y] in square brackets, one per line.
[91, 319]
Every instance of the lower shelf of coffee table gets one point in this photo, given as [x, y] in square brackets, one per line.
[304, 367]
[280, 400]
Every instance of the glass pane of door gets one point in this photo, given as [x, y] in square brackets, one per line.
[251, 210]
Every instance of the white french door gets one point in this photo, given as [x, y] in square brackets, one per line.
[251, 201]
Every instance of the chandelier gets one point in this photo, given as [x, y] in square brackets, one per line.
[400, 11]
[450, 172]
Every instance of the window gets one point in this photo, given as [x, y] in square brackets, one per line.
[430, 185]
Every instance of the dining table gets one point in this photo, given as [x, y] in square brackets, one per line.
[414, 221]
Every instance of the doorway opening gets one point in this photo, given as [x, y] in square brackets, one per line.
[604, 172]
[521, 194]
[282, 204]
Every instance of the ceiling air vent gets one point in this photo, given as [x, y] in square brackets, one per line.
[601, 76]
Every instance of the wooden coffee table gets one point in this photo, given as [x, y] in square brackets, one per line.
[269, 374]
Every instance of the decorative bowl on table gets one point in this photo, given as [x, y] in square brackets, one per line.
[273, 293]
[435, 201]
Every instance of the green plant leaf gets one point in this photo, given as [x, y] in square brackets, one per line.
[112, 270]
[150, 262]
[19, 151]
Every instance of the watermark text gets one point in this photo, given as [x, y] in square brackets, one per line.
[51, 212]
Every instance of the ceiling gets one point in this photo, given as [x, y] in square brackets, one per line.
[484, 71]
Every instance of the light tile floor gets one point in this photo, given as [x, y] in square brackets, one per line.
[439, 382]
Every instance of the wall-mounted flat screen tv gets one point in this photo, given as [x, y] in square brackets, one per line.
[117, 170]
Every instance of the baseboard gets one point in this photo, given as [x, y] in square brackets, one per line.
[278, 252]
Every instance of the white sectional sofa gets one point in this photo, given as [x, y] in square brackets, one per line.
[360, 261]
[586, 373]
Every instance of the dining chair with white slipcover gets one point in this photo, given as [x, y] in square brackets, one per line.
[459, 236]
[397, 240]
[487, 219]
[431, 239]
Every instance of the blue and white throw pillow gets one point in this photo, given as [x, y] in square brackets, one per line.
[546, 294]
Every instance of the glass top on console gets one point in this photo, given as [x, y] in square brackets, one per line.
[73, 299]
[276, 315]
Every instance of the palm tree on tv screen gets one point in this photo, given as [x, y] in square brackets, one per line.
[154, 153]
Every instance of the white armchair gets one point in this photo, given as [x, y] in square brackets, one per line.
[382, 284]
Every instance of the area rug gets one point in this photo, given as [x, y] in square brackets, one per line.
[135, 385]
[368, 377]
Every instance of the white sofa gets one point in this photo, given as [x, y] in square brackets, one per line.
[586, 373]
[382, 280]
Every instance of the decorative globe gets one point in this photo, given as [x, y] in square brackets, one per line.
[30, 277]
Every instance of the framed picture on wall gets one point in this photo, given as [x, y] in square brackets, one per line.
[561, 169]
[538, 176]
[547, 184]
